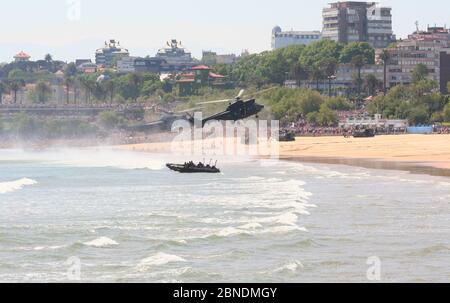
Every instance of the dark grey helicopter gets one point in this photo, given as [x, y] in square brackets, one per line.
[165, 123]
[238, 109]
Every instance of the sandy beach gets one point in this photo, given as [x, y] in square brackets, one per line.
[418, 153]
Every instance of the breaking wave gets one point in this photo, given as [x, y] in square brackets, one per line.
[7, 187]
[291, 267]
[101, 242]
[157, 260]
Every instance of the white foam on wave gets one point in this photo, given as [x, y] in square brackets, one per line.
[230, 231]
[255, 229]
[101, 242]
[157, 260]
[48, 247]
[291, 267]
[7, 187]
[251, 226]
[283, 229]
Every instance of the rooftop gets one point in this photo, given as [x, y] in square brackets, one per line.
[22, 55]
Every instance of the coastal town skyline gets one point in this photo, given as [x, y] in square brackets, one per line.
[78, 37]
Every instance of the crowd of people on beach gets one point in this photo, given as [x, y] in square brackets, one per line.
[442, 130]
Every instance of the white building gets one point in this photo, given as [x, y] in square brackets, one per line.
[126, 65]
[282, 39]
[374, 122]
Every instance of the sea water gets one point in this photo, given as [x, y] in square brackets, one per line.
[124, 217]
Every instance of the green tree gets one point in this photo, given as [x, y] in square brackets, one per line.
[15, 86]
[385, 56]
[354, 49]
[4, 88]
[316, 74]
[88, 83]
[68, 82]
[70, 70]
[17, 74]
[329, 67]
[48, 58]
[358, 63]
[338, 103]
[130, 85]
[419, 73]
[371, 84]
[418, 115]
[43, 92]
[110, 87]
[324, 117]
[318, 51]
[446, 113]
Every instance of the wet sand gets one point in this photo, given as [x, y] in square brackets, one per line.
[429, 154]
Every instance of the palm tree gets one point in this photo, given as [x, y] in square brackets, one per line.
[135, 80]
[3, 89]
[48, 58]
[16, 86]
[358, 62]
[88, 87]
[298, 72]
[68, 81]
[43, 91]
[329, 67]
[384, 56]
[371, 83]
[316, 75]
[110, 86]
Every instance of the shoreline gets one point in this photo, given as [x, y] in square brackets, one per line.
[418, 154]
[412, 167]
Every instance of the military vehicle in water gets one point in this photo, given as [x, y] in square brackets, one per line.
[191, 167]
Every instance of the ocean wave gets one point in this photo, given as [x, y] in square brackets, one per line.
[283, 229]
[101, 242]
[157, 260]
[230, 231]
[7, 187]
[56, 247]
[253, 229]
[251, 226]
[290, 267]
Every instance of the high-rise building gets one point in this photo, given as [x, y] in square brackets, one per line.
[110, 53]
[176, 56]
[358, 22]
[430, 48]
[282, 39]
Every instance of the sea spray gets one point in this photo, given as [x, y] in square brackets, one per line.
[8, 187]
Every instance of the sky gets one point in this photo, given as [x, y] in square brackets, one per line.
[74, 29]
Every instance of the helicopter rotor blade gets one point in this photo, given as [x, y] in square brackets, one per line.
[215, 101]
[260, 92]
[239, 96]
[189, 110]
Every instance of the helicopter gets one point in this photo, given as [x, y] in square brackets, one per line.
[238, 109]
[165, 123]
